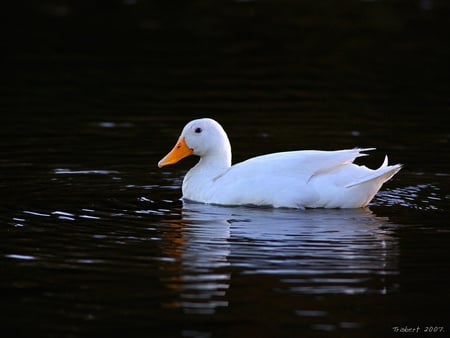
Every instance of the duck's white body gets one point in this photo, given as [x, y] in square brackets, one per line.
[295, 179]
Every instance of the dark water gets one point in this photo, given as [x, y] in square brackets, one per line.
[94, 239]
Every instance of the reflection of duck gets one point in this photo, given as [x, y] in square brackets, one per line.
[198, 256]
[313, 252]
[256, 224]
[296, 179]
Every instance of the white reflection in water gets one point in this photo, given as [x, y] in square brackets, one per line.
[21, 257]
[308, 251]
[420, 197]
[65, 171]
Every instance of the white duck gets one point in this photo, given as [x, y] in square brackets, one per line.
[294, 179]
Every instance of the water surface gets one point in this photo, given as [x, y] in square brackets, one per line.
[97, 242]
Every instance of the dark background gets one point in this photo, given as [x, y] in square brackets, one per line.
[151, 57]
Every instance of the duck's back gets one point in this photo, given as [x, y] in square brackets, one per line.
[300, 179]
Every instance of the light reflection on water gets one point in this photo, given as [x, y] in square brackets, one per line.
[311, 252]
[419, 196]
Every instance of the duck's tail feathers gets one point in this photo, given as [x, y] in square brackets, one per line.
[383, 174]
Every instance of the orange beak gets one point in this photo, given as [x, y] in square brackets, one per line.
[180, 151]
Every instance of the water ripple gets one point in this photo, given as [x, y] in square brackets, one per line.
[419, 197]
[65, 171]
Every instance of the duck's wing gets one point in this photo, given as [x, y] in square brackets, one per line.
[280, 179]
[303, 164]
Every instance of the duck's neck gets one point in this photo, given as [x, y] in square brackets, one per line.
[199, 181]
[198, 184]
[209, 167]
[216, 161]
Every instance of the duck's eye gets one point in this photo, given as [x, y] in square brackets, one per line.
[198, 130]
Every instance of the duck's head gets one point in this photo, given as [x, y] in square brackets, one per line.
[203, 137]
